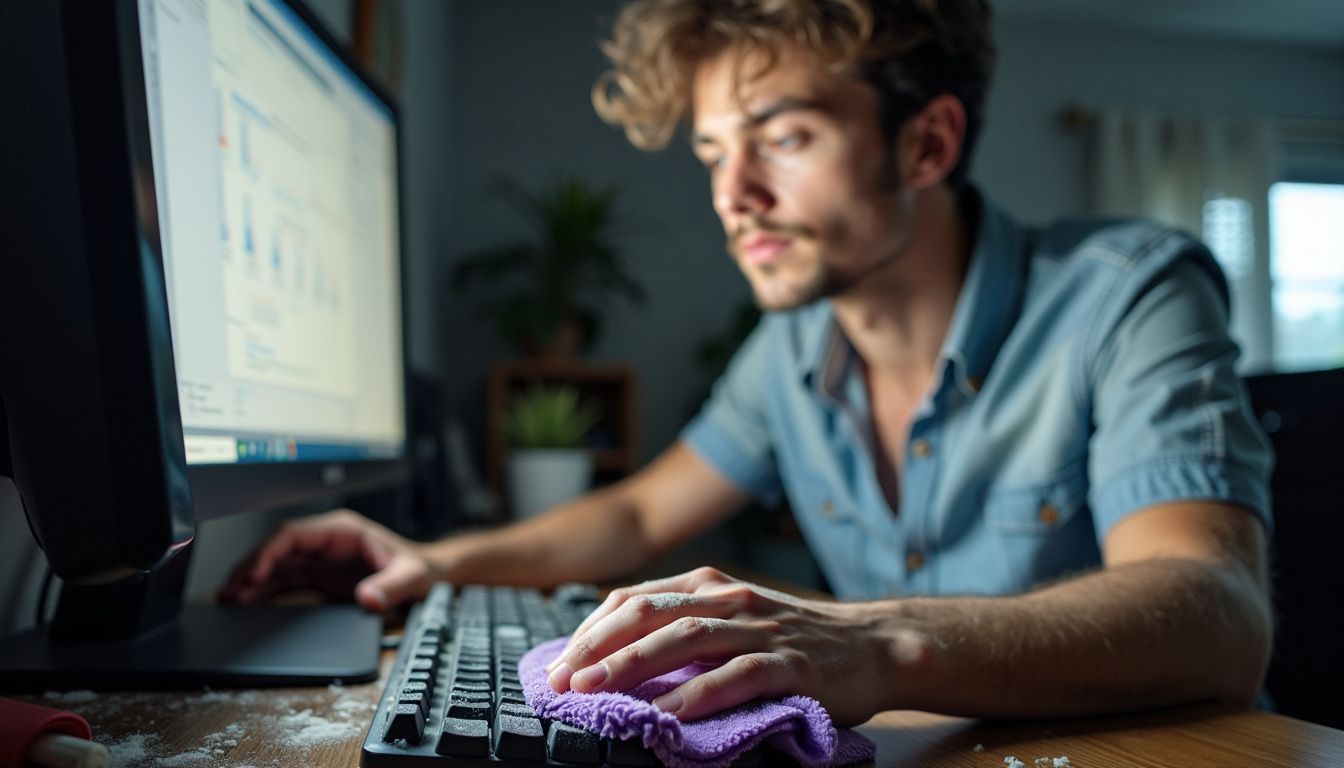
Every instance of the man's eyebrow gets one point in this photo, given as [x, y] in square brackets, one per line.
[767, 113]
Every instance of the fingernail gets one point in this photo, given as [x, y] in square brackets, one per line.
[559, 678]
[593, 676]
[669, 702]
[378, 596]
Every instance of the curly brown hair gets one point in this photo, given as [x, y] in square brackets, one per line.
[909, 51]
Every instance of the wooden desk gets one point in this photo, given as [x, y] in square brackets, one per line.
[326, 726]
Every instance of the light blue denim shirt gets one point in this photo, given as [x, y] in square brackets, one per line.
[1087, 374]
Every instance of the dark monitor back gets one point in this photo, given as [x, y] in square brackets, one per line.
[1303, 413]
[91, 423]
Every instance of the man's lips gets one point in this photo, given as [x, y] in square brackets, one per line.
[763, 249]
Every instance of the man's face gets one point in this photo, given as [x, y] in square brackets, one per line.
[801, 175]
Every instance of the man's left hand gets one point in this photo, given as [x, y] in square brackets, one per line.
[771, 644]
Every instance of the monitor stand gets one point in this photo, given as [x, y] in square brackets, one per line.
[139, 635]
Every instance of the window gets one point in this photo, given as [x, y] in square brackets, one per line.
[1306, 274]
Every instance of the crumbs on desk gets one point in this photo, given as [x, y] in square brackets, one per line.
[292, 720]
[70, 697]
[1040, 762]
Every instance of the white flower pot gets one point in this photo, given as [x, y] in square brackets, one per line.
[540, 478]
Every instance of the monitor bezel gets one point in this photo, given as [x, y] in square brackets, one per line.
[224, 489]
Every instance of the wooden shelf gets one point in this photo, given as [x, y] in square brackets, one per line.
[614, 442]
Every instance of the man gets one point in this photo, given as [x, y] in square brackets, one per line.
[967, 418]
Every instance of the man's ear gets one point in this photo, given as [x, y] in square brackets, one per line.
[930, 142]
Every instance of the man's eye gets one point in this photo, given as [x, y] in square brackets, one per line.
[788, 141]
[712, 163]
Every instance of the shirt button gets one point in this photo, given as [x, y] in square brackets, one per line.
[1049, 514]
[921, 449]
[913, 562]
[827, 508]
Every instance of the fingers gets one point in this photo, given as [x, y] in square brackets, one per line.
[402, 579]
[301, 536]
[684, 641]
[690, 581]
[285, 559]
[640, 616]
[753, 676]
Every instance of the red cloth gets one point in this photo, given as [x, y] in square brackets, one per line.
[21, 723]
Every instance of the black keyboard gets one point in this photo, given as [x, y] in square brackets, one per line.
[454, 698]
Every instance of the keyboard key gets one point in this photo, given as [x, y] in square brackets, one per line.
[406, 721]
[416, 693]
[418, 699]
[456, 697]
[516, 709]
[471, 710]
[567, 744]
[421, 664]
[473, 667]
[507, 697]
[470, 696]
[464, 738]
[472, 677]
[519, 738]
[629, 752]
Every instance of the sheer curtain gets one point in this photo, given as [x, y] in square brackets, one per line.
[1209, 177]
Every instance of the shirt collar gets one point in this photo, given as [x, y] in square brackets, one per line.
[823, 349]
[989, 297]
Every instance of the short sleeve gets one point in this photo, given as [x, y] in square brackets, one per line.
[732, 431]
[1172, 421]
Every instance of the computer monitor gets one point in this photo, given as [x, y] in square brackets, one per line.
[201, 293]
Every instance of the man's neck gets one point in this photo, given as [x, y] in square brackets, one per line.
[898, 318]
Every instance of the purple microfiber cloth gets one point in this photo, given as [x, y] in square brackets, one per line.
[796, 725]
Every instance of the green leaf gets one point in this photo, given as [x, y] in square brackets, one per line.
[570, 256]
[548, 417]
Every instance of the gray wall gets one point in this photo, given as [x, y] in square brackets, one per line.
[496, 88]
[1039, 171]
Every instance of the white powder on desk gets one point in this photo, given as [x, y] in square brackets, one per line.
[129, 750]
[305, 730]
[185, 758]
[288, 718]
[70, 697]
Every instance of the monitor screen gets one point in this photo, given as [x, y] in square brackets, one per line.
[201, 314]
[275, 168]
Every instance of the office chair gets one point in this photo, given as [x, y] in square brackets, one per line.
[1304, 416]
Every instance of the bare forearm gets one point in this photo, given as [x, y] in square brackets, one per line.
[597, 537]
[603, 536]
[1147, 634]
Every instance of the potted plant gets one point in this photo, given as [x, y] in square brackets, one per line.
[548, 463]
[558, 275]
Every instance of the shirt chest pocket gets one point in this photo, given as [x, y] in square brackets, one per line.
[1041, 531]
[1038, 508]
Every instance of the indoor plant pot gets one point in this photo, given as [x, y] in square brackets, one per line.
[548, 462]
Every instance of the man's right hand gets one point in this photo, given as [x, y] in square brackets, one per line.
[336, 553]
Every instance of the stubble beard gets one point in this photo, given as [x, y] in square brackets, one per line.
[825, 280]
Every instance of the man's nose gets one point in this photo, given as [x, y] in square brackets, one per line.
[740, 189]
